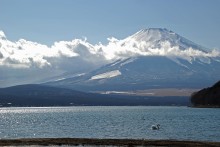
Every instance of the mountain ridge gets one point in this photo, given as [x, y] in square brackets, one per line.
[32, 95]
[25, 62]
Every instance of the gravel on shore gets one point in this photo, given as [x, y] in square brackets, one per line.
[103, 142]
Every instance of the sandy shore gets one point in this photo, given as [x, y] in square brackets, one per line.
[103, 142]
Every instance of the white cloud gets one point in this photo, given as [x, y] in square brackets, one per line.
[25, 54]
[2, 35]
[128, 47]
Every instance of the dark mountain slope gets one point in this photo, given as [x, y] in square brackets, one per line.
[207, 97]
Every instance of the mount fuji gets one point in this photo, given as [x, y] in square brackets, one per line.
[150, 59]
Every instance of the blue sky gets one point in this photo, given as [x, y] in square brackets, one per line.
[46, 21]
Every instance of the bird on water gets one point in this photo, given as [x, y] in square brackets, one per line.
[155, 127]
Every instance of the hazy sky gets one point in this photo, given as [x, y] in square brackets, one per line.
[46, 21]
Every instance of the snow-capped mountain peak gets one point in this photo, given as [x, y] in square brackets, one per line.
[156, 37]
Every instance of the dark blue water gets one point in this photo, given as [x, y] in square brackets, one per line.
[180, 123]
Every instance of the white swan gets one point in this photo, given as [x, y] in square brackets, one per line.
[155, 127]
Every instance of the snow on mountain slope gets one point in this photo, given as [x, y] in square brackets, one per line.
[106, 75]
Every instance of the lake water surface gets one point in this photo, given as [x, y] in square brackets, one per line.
[180, 123]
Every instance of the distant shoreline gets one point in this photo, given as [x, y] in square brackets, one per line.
[100, 106]
[106, 142]
[204, 106]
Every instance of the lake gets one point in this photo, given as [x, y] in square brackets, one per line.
[182, 123]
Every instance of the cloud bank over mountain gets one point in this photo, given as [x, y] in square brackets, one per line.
[27, 54]
[29, 61]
